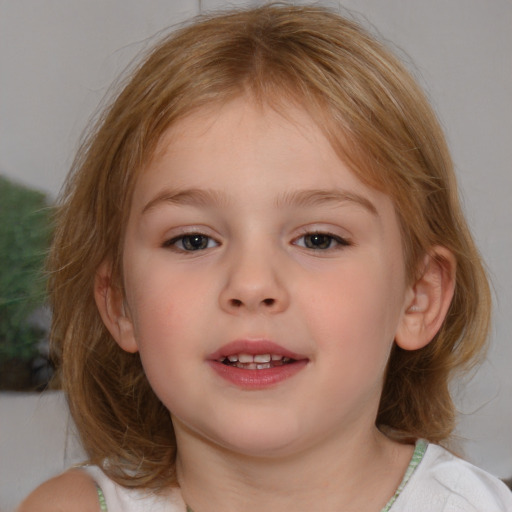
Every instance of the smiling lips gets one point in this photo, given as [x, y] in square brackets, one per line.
[256, 364]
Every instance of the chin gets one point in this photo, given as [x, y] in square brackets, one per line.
[257, 439]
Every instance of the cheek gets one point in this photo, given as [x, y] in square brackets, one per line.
[360, 305]
[166, 306]
[162, 327]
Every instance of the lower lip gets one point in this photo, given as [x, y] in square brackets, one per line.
[257, 379]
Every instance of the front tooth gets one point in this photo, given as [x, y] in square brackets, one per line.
[262, 358]
[245, 358]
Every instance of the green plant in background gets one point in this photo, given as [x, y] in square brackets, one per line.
[25, 227]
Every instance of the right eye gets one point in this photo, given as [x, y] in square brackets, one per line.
[191, 242]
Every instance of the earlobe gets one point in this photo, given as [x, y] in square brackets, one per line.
[428, 300]
[110, 303]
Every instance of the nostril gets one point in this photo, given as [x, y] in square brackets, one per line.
[237, 303]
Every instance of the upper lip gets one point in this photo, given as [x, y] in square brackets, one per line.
[253, 347]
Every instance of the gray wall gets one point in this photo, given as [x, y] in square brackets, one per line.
[57, 59]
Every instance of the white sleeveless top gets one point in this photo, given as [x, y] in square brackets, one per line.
[115, 498]
[435, 481]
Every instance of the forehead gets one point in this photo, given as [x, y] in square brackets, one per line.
[203, 146]
[247, 130]
[250, 154]
[304, 118]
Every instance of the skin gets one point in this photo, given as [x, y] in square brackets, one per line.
[320, 274]
[73, 490]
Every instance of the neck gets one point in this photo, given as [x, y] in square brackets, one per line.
[359, 474]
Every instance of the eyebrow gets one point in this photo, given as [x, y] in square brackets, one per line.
[299, 198]
[336, 197]
[191, 196]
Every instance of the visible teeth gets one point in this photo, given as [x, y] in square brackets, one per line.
[255, 362]
[247, 366]
[262, 358]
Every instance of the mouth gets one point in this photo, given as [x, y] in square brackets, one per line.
[257, 361]
[256, 364]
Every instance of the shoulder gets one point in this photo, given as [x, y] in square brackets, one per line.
[72, 491]
[443, 481]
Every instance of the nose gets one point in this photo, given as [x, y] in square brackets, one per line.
[254, 283]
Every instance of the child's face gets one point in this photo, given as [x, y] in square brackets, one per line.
[248, 235]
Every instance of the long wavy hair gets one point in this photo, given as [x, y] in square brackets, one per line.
[378, 119]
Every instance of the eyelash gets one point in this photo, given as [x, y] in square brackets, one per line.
[190, 239]
[327, 238]
[193, 242]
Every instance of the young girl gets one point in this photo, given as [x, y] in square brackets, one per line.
[262, 282]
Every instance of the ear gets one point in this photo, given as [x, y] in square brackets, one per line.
[110, 303]
[428, 300]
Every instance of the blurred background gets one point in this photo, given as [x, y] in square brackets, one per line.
[58, 59]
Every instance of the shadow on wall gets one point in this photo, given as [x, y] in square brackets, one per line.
[25, 231]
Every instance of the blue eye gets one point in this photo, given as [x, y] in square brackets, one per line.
[191, 242]
[321, 241]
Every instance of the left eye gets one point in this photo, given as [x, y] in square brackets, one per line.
[192, 242]
[320, 241]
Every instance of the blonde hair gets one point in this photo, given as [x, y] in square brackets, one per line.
[375, 115]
